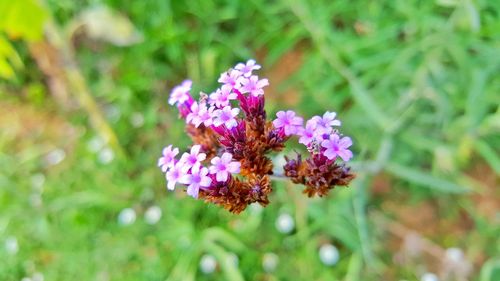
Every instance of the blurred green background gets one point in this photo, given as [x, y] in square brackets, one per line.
[83, 119]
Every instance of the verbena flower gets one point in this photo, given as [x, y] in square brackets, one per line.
[288, 121]
[230, 78]
[180, 94]
[336, 146]
[223, 166]
[222, 96]
[173, 175]
[236, 146]
[246, 69]
[168, 158]
[196, 179]
[192, 158]
[253, 85]
[226, 116]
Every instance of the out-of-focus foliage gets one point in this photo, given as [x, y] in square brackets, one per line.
[415, 84]
[20, 19]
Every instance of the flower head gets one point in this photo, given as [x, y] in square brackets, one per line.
[222, 96]
[288, 121]
[196, 179]
[173, 175]
[226, 116]
[307, 134]
[253, 85]
[168, 158]
[324, 124]
[246, 69]
[180, 94]
[223, 166]
[191, 159]
[336, 146]
[230, 78]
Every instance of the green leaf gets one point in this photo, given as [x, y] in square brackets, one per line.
[424, 179]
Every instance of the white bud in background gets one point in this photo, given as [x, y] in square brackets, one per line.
[208, 264]
[11, 245]
[270, 262]
[152, 215]
[328, 254]
[137, 120]
[55, 157]
[37, 277]
[95, 144]
[106, 155]
[429, 277]
[127, 216]
[454, 255]
[285, 223]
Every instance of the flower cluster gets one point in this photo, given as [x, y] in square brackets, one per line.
[229, 164]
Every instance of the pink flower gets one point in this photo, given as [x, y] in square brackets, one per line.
[336, 146]
[192, 116]
[324, 124]
[168, 158]
[198, 178]
[230, 78]
[180, 93]
[222, 167]
[253, 85]
[173, 175]
[307, 134]
[222, 96]
[199, 114]
[226, 116]
[288, 121]
[246, 69]
[191, 159]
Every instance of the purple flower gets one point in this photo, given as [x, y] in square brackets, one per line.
[173, 175]
[336, 146]
[199, 114]
[189, 160]
[168, 158]
[253, 85]
[324, 124]
[226, 116]
[288, 121]
[222, 167]
[230, 78]
[193, 116]
[205, 116]
[180, 93]
[307, 134]
[222, 96]
[198, 178]
[246, 69]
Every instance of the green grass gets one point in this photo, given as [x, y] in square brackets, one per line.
[415, 84]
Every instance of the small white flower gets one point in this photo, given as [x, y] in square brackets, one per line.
[55, 157]
[429, 277]
[270, 262]
[328, 254]
[37, 181]
[454, 255]
[11, 245]
[285, 223]
[106, 155]
[208, 264]
[95, 144]
[127, 216]
[152, 214]
[233, 259]
[137, 119]
[37, 276]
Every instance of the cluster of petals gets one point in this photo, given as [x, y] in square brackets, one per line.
[189, 169]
